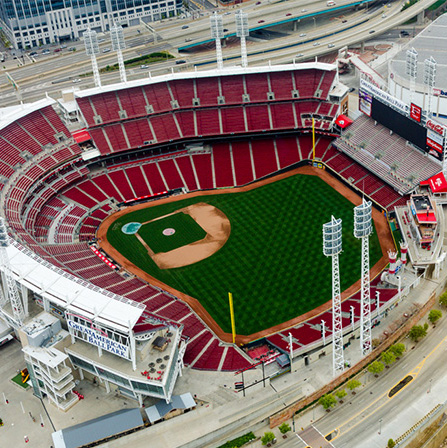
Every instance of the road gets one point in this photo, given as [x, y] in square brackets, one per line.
[34, 79]
[370, 411]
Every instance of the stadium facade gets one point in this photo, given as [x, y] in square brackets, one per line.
[38, 22]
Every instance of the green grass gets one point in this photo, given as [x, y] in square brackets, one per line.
[18, 380]
[272, 262]
[187, 231]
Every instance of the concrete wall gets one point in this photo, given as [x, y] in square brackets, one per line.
[286, 414]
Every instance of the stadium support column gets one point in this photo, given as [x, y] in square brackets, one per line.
[118, 45]
[13, 292]
[217, 34]
[242, 31]
[92, 49]
[332, 247]
[362, 230]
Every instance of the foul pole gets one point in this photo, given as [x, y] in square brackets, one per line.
[313, 139]
[233, 326]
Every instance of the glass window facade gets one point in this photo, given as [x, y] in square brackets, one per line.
[63, 17]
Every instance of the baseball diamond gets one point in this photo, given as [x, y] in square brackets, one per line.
[272, 260]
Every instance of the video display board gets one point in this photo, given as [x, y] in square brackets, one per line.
[398, 123]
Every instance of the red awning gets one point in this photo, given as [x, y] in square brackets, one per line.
[81, 136]
[437, 183]
[343, 121]
[426, 218]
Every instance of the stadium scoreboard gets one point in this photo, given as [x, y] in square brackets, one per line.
[405, 120]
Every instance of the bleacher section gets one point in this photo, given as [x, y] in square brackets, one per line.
[386, 155]
[54, 201]
[129, 119]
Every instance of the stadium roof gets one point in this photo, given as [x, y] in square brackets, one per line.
[10, 114]
[72, 293]
[432, 41]
[226, 71]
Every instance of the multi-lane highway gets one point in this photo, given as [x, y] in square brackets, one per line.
[372, 417]
[310, 38]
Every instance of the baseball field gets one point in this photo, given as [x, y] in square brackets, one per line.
[264, 245]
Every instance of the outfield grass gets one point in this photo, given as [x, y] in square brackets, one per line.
[272, 262]
[187, 231]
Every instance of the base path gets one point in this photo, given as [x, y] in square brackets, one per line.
[381, 226]
[217, 227]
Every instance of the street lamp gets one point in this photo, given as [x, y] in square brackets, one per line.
[380, 426]
[429, 386]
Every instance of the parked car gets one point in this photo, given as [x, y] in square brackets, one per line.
[331, 46]
[185, 27]
[288, 14]
[302, 34]
[57, 50]
[261, 21]
[144, 66]
[372, 31]
[72, 49]
[46, 51]
[33, 53]
[76, 80]
[258, 3]
[316, 43]
[180, 61]
[63, 46]
[106, 50]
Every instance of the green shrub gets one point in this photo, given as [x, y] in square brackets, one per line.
[240, 441]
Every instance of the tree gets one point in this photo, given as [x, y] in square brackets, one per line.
[434, 316]
[353, 384]
[417, 332]
[443, 299]
[284, 428]
[340, 394]
[375, 367]
[391, 443]
[327, 401]
[267, 437]
[388, 357]
[397, 350]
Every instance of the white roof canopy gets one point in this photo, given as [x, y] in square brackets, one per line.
[72, 293]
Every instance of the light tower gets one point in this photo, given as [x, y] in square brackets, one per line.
[92, 49]
[118, 45]
[12, 291]
[411, 69]
[429, 79]
[242, 31]
[217, 34]
[332, 247]
[362, 230]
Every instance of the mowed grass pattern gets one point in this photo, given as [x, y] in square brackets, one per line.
[187, 231]
[272, 262]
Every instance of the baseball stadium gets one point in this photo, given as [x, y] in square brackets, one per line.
[138, 214]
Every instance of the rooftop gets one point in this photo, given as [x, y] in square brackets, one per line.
[432, 41]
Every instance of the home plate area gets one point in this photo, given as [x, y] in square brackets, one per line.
[185, 236]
